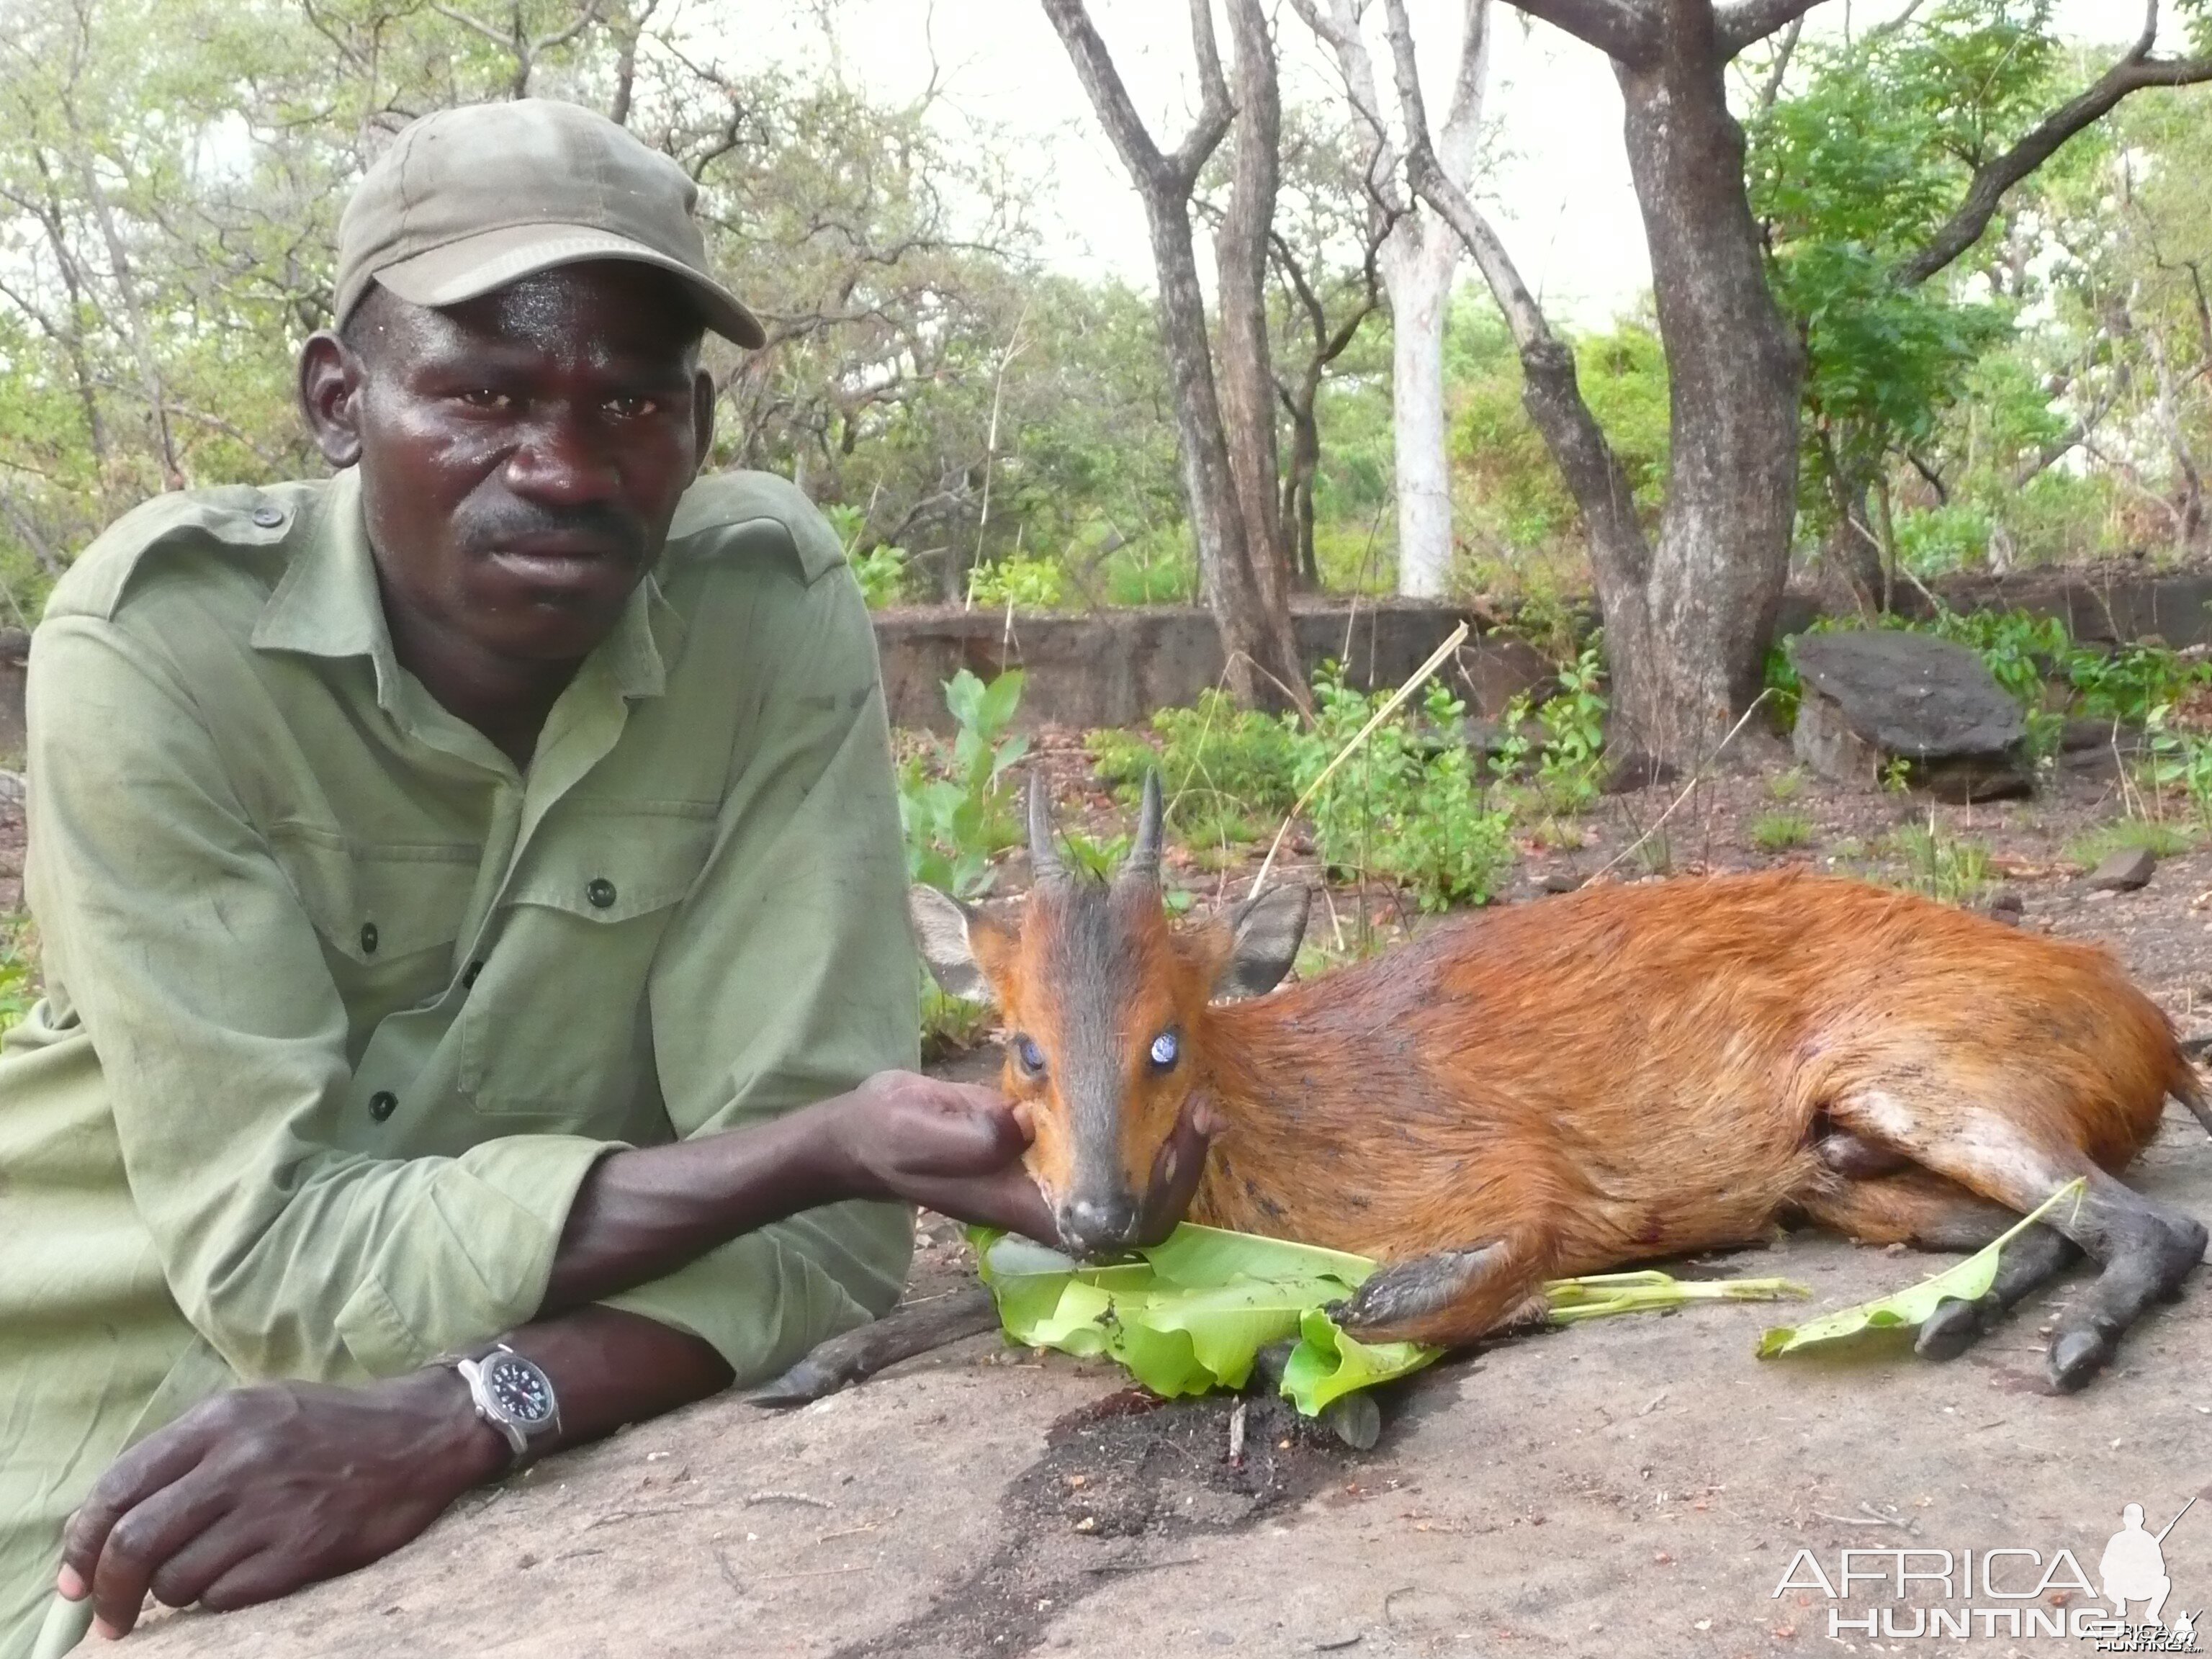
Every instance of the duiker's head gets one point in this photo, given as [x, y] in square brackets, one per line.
[1104, 1008]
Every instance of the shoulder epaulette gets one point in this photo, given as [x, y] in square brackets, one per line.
[239, 516]
[732, 501]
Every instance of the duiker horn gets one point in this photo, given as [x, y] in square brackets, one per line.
[1044, 858]
[1143, 863]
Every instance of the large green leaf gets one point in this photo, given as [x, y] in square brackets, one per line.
[1328, 1364]
[1193, 1313]
[1967, 1281]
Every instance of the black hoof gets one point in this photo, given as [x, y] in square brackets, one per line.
[1949, 1331]
[2075, 1357]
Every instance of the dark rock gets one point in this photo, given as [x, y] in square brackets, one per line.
[1560, 881]
[2007, 906]
[1638, 771]
[1875, 695]
[2124, 871]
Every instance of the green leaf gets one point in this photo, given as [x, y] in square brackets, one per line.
[1967, 1281]
[964, 695]
[998, 702]
[1193, 1313]
[1328, 1364]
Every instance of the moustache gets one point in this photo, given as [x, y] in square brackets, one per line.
[512, 523]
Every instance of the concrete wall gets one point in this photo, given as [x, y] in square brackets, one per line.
[1115, 667]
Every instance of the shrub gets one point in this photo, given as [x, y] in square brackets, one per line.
[1408, 806]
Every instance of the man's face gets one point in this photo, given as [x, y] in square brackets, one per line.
[521, 455]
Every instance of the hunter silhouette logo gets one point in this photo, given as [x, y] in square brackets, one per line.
[2133, 1568]
[1920, 1590]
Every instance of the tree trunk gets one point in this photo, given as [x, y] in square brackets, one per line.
[1417, 271]
[1253, 614]
[1248, 375]
[1687, 635]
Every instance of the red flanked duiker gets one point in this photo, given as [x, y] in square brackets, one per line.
[1562, 1087]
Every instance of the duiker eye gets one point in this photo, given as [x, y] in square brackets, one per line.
[1165, 1049]
[1030, 1056]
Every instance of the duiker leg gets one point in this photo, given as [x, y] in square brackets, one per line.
[2145, 1248]
[1447, 1299]
[1915, 1206]
[859, 1354]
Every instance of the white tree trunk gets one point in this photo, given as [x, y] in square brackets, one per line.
[1417, 268]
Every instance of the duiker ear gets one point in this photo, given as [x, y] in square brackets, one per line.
[1264, 935]
[941, 927]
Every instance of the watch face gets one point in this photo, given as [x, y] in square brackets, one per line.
[520, 1389]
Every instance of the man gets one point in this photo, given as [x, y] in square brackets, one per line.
[470, 890]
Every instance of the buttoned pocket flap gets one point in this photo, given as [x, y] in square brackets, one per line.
[377, 902]
[611, 866]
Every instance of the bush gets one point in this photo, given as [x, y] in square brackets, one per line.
[1228, 774]
[1024, 583]
[951, 804]
[1408, 806]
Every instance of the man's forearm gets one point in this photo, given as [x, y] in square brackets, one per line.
[611, 1367]
[644, 1213]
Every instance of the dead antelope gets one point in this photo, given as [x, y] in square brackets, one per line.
[1565, 1086]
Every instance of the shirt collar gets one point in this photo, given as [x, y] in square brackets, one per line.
[328, 603]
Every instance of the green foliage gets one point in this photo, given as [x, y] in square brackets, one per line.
[2181, 758]
[1519, 498]
[1949, 868]
[19, 969]
[1408, 806]
[1026, 584]
[881, 572]
[1573, 719]
[952, 803]
[1777, 832]
[1228, 774]
[2156, 835]
[1851, 172]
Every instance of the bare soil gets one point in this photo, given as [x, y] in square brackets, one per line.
[1638, 1486]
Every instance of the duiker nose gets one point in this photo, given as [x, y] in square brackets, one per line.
[1092, 1226]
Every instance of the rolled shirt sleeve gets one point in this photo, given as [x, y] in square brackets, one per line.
[788, 977]
[183, 949]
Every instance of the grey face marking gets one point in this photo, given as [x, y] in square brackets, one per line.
[1093, 961]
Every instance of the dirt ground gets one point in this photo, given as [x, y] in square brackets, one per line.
[1636, 1486]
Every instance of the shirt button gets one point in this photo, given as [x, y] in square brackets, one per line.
[469, 974]
[601, 892]
[368, 939]
[382, 1104]
[268, 516]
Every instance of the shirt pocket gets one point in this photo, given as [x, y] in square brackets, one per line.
[387, 913]
[556, 1027]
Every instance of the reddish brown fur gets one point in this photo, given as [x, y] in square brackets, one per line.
[1632, 1071]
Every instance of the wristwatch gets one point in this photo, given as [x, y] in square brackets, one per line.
[514, 1396]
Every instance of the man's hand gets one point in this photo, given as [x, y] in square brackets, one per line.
[954, 1146]
[262, 1490]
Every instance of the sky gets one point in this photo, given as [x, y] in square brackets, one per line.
[1559, 194]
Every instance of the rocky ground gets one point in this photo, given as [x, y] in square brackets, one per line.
[1639, 1486]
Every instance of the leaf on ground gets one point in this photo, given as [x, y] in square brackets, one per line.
[1966, 1281]
[1193, 1313]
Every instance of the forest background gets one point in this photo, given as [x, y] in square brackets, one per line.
[977, 394]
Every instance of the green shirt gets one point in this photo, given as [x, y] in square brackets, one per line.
[341, 1006]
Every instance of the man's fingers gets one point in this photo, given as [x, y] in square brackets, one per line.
[184, 1578]
[155, 1462]
[143, 1542]
[1177, 1170]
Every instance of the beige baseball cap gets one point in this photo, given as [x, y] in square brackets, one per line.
[467, 200]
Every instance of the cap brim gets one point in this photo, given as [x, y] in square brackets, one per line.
[477, 264]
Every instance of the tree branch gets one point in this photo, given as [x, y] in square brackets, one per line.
[1619, 29]
[1749, 21]
[1555, 401]
[2132, 73]
[1101, 83]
